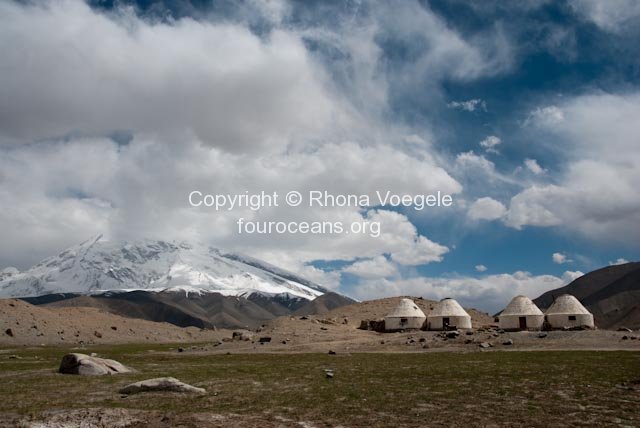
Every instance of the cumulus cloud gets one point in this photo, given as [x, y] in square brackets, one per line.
[596, 195]
[490, 143]
[486, 209]
[481, 268]
[210, 106]
[83, 187]
[548, 115]
[533, 166]
[106, 73]
[559, 258]
[377, 267]
[490, 293]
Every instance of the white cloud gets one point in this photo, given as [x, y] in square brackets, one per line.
[486, 209]
[490, 293]
[481, 268]
[490, 143]
[619, 261]
[533, 166]
[377, 267]
[559, 258]
[549, 115]
[117, 72]
[570, 276]
[614, 16]
[469, 105]
[596, 195]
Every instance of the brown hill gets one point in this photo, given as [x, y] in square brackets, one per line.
[24, 324]
[205, 310]
[323, 304]
[612, 294]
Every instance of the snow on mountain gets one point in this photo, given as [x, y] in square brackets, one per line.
[96, 266]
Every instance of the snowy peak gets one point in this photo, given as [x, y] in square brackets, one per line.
[96, 265]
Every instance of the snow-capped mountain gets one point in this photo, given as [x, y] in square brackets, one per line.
[96, 266]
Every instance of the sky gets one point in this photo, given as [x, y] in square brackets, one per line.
[527, 113]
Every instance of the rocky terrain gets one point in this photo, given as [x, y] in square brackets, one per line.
[23, 324]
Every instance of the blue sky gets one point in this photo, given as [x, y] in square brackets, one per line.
[524, 111]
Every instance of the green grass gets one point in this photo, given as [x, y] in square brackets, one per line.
[564, 388]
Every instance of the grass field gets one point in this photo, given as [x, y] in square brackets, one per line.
[563, 388]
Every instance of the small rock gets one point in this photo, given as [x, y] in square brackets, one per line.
[625, 337]
[14, 357]
[485, 345]
[453, 334]
[469, 333]
[422, 339]
[264, 339]
[304, 318]
[425, 346]
[628, 330]
[328, 373]
[284, 342]
[324, 328]
[97, 334]
[114, 328]
[332, 352]
[9, 332]
[169, 384]
[508, 342]
[500, 331]
[542, 335]
[180, 349]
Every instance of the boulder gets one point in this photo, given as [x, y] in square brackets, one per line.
[169, 384]
[9, 332]
[453, 334]
[508, 342]
[485, 345]
[81, 364]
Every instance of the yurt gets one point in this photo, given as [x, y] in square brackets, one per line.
[448, 315]
[521, 314]
[407, 315]
[567, 311]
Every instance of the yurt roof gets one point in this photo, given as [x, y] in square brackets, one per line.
[406, 309]
[448, 308]
[521, 305]
[567, 304]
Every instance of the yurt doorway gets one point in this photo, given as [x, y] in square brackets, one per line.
[523, 323]
[445, 323]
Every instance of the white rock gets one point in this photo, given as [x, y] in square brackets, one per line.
[161, 384]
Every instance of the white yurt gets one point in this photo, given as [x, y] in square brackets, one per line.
[407, 315]
[521, 314]
[448, 314]
[567, 311]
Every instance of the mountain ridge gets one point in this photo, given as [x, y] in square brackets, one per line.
[97, 266]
